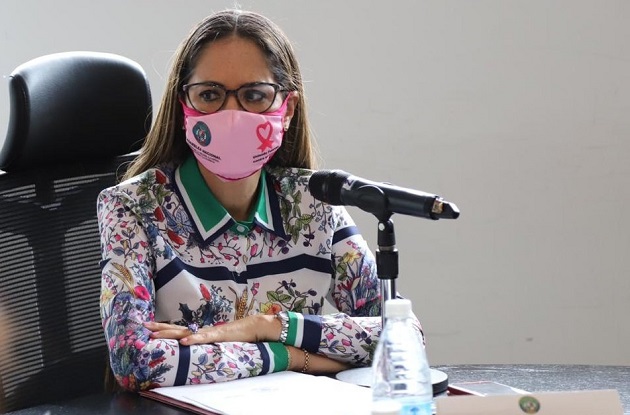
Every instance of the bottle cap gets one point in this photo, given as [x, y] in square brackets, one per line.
[397, 307]
[386, 407]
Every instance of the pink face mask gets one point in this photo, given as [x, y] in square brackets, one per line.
[234, 144]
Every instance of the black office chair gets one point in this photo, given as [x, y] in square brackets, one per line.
[74, 119]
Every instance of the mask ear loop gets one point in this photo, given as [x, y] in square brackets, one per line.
[188, 110]
[283, 108]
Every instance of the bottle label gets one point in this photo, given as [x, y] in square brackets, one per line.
[416, 408]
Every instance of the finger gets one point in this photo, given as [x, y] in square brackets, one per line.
[205, 336]
[156, 326]
[244, 330]
[236, 331]
[170, 334]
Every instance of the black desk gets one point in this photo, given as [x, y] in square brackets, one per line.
[533, 378]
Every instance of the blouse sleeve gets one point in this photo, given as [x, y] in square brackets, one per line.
[351, 334]
[128, 300]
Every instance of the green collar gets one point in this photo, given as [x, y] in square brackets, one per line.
[209, 216]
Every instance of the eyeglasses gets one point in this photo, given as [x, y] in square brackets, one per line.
[208, 97]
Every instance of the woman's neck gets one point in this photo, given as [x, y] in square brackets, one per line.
[237, 197]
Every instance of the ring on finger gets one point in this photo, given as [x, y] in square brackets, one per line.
[193, 327]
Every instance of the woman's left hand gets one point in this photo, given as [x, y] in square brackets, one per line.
[252, 329]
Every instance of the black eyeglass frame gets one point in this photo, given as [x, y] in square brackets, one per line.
[276, 87]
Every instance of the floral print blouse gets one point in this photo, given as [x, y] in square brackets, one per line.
[172, 253]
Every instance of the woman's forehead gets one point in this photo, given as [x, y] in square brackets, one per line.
[232, 61]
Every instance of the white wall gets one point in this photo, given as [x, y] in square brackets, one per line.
[517, 111]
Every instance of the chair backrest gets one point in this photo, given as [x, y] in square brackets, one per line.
[75, 117]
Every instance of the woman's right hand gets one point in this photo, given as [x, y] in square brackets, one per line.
[317, 364]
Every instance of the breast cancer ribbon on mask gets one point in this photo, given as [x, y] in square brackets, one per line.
[263, 132]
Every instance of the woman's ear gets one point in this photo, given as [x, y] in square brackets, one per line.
[292, 101]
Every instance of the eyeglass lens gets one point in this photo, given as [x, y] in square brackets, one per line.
[209, 98]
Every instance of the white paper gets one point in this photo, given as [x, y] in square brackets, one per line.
[276, 393]
[596, 402]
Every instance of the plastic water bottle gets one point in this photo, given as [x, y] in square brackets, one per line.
[400, 368]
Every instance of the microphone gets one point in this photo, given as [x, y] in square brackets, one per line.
[336, 187]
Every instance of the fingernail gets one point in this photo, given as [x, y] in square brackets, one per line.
[184, 340]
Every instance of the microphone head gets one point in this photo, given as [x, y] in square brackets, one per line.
[325, 185]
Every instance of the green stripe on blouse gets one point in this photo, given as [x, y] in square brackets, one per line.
[280, 356]
[292, 332]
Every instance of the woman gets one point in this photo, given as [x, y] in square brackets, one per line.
[217, 260]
